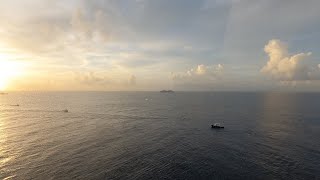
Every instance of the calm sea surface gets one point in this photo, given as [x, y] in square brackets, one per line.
[152, 135]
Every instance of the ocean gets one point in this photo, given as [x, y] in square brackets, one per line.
[153, 135]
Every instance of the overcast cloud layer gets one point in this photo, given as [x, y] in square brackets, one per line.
[163, 44]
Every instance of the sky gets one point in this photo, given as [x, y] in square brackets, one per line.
[150, 45]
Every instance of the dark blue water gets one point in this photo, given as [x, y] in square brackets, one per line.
[151, 135]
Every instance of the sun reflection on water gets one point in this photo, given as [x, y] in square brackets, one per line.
[5, 158]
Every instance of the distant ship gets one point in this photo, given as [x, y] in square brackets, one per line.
[3, 93]
[167, 91]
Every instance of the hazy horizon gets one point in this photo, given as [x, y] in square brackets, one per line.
[200, 91]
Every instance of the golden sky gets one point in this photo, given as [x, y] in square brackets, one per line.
[233, 45]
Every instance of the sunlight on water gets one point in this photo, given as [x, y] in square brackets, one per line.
[4, 158]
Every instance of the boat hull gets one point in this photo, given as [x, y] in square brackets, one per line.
[217, 127]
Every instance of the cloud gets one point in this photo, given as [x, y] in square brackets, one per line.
[199, 74]
[270, 18]
[285, 67]
[99, 80]
[132, 80]
[92, 26]
[105, 41]
[91, 78]
[202, 69]
[80, 24]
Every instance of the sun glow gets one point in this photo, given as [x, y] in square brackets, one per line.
[9, 70]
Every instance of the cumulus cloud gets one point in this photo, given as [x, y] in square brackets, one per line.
[199, 74]
[91, 78]
[285, 67]
[99, 80]
[201, 69]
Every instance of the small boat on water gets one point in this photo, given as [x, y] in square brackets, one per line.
[217, 126]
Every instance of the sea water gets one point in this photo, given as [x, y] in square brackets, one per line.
[153, 135]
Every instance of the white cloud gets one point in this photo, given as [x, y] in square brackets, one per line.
[201, 69]
[284, 67]
[212, 70]
[200, 74]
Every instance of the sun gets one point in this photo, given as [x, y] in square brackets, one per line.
[2, 85]
[9, 70]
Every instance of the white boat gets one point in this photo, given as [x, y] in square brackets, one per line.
[217, 126]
